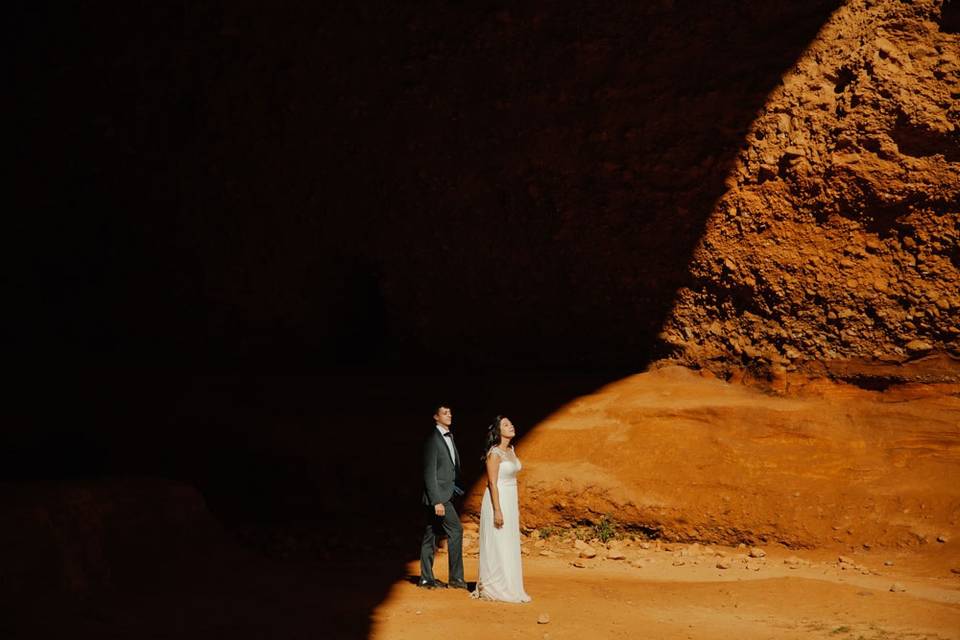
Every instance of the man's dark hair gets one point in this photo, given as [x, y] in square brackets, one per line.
[437, 407]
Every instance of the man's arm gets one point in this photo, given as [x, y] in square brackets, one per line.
[430, 475]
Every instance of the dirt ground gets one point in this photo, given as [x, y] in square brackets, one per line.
[650, 593]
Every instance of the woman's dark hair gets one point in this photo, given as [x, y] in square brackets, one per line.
[493, 436]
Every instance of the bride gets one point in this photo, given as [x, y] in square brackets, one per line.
[501, 574]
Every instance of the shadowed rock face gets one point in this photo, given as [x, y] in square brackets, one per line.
[839, 236]
[545, 186]
[309, 186]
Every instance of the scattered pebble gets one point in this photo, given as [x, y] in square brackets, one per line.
[615, 554]
[543, 618]
[897, 587]
[942, 538]
[578, 564]
[918, 346]
[588, 552]
[756, 552]
[723, 564]
[888, 563]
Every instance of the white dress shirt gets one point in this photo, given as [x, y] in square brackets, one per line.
[448, 441]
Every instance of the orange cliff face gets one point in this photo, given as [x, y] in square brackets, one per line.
[838, 238]
[687, 457]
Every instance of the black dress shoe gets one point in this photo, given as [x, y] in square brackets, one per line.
[459, 584]
[431, 584]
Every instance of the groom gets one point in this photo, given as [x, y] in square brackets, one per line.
[441, 477]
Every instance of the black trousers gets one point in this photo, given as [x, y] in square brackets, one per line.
[450, 525]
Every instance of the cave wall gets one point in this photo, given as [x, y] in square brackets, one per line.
[305, 186]
[838, 237]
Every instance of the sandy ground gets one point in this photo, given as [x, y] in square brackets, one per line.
[783, 595]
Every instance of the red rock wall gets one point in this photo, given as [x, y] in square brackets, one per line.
[838, 237]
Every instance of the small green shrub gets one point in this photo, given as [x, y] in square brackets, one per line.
[605, 530]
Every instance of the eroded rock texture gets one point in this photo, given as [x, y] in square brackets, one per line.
[837, 238]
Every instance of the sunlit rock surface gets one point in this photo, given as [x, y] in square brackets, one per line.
[838, 237]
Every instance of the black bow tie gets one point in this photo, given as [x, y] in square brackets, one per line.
[448, 434]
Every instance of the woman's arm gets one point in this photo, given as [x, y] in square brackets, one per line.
[493, 471]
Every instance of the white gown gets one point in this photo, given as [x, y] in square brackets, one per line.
[501, 571]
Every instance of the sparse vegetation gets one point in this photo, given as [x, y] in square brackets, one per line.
[606, 529]
[548, 531]
[583, 533]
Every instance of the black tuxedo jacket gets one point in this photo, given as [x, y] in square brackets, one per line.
[441, 475]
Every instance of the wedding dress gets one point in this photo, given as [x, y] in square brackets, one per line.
[501, 572]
